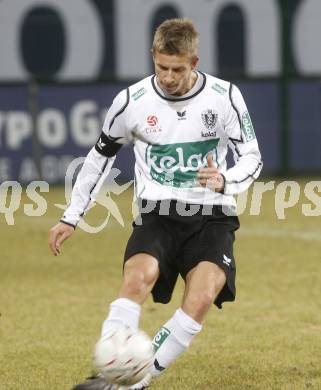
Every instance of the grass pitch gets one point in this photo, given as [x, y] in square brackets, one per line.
[52, 308]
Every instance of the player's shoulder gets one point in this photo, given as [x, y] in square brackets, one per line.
[133, 92]
[140, 89]
[218, 86]
[223, 90]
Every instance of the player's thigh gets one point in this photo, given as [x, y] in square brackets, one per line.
[151, 247]
[214, 244]
[206, 278]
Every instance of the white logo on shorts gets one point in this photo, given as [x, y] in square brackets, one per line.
[227, 260]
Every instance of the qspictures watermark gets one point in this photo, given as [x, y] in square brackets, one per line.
[287, 194]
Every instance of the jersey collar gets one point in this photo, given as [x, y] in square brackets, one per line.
[198, 87]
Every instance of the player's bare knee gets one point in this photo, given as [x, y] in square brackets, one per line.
[137, 281]
[143, 267]
[151, 274]
[133, 284]
[204, 300]
[199, 303]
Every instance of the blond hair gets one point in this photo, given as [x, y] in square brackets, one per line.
[176, 37]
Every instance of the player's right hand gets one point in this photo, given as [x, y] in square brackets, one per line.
[57, 235]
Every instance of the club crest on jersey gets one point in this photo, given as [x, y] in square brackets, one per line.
[209, 118]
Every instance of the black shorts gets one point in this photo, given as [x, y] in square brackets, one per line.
[179, 243]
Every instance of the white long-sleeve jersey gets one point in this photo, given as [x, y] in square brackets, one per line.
[172, 137]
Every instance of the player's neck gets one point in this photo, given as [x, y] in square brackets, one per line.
[192, 85]
[193, 79]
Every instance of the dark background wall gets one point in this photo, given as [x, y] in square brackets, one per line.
[43, 35]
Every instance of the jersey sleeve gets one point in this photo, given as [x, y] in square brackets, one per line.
[91, 177]
[99, 161]
[243, 143]
[115, 124]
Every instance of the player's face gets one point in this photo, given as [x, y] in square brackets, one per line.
[174, 73]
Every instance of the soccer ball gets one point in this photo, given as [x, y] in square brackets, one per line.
[124, 356]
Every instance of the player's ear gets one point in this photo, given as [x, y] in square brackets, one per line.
[153, 57]
[152, 51]
[195, 61]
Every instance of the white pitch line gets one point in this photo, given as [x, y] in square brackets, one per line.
[281, 233]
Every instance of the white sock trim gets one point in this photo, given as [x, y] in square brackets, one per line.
[123, 312]
[186, 322]
[127, 304]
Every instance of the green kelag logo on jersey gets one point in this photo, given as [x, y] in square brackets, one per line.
[247, 127]
[176, 165]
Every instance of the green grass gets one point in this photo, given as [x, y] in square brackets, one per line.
[52, 308]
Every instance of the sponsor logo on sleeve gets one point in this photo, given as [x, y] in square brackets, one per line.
[139, 93]
[218, 88]
[247, 127]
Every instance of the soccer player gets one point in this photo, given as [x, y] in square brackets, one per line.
[181, 122]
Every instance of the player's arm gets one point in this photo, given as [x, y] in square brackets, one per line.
[243, 142]
[93, 173]
[89, 180]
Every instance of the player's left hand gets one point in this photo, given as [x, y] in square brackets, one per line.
[210, 176]
[57, 235]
